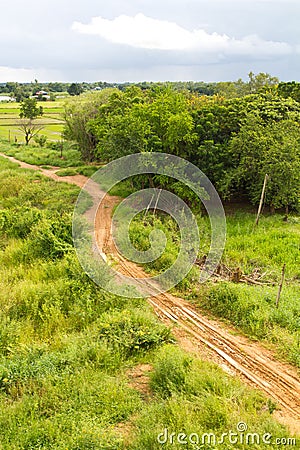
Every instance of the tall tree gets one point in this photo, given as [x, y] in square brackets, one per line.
[29, 111]
[260, 81]
[75, 89]
[272, 149]
[78, 113]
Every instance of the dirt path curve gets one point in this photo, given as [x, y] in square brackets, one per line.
[236, 354]
[79, 180]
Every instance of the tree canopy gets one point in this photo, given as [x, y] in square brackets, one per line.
[235, 141]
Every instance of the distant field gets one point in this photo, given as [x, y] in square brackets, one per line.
[52, 120]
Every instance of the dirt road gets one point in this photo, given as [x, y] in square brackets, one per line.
[236, 354]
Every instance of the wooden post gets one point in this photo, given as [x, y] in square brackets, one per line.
[147, 209]
[261, 199]
[156, 203]
[9, 136]
[280, 286]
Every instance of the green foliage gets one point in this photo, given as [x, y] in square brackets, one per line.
[87, 171]
[211, 132]
[195, 398]
[29, 109]
[51, 121]
[50, 155]
[41, 140]
[111, 123]
[78, 113]
[244, 137]
[272, 149]
[51, 239]
[132, 331]
[267, 247]
[75, 89]
[289, 89]
[19, 222]
[135, 122]
[171, 371]
[261, 81]
[66, 172]
[252, 310]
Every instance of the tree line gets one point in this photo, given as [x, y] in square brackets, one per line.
[235, 141]
[229, 89]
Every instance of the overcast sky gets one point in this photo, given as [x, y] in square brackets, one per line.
[137, 40]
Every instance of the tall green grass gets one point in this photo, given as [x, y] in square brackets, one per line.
[61, 376]
[252, 309]
[268, 246]
[66, 345]
[195, 398]
[49, 155]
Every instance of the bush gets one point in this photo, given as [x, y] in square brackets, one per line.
[41, 140]
[132, 331]
[197, 397]
[19, 222]
[66, 172]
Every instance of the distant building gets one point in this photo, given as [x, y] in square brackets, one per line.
[41, 95]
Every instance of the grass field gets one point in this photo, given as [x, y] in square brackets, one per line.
[52, 121]
[70, 162]
[44, 156]
[70, 352]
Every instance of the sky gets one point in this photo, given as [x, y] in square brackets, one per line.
[148, 40]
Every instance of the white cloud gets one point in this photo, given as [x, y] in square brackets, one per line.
[12, 74]
[23, 75]
[145, 32]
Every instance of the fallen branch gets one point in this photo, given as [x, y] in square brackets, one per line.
[224, 273]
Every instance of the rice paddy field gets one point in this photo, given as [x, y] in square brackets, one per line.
[52, 120]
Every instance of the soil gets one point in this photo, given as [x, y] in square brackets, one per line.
[139, 379]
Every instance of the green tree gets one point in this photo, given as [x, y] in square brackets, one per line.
[75, 89]
[272, 149]
[137, 121]
[289, 89]
[79, 114]
[217, 120]
[232, 89]
[29, 111]
[260, 82]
